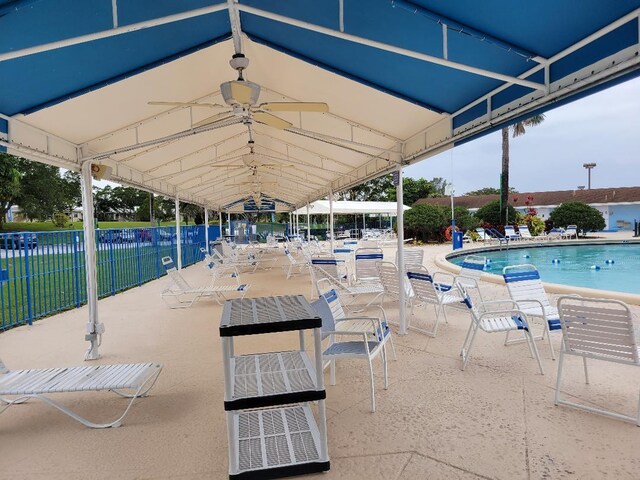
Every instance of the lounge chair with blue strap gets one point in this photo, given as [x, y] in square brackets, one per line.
[428, 291]
[471, 270]
[526, 289]
[510, 233]
[495, 317]
[360, 338]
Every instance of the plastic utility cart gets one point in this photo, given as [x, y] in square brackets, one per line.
[271, 426]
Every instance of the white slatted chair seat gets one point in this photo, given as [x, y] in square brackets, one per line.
[294, 265]
[501, 324]
[388, 273]
[36, 383]
[351, 349]
[526, 289]
[597, 329]
[495, 317]
[179, 294]
[325, 267]
[511, 234]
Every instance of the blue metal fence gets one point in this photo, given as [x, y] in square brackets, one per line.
[44, 272]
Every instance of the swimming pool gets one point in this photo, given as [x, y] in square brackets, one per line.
[582, 265]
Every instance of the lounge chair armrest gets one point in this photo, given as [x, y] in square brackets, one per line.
[505, 312]
[485, 307]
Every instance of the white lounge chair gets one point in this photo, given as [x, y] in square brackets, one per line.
[388, 273]
[495, 317]
[294, 266]
[526, 234]
[597, 329]
[571, 232]
[350, 342]
[526, 289]
[127, 380]
[484, 237]
[511, 234]
[428, 291]
[179, 294]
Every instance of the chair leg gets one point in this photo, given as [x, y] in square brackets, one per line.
[535, 351]
[466, 338]
[586, 372]
[373, 395]
[332, 373]
[384, 366]
[548, 332]
[393, 348]
[465, 356]
[556, 399]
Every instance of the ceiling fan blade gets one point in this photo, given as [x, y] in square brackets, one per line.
[226, 166]
[277, 165]
[215, 118]
[241, 92]
[187, 104]
[295, 107]
[271, 120]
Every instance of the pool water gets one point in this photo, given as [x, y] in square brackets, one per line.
[574, 264]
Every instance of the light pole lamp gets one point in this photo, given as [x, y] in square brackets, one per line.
[589, 167]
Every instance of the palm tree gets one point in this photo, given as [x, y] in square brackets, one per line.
[517, 129]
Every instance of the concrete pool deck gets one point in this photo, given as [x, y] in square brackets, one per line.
[494, 420]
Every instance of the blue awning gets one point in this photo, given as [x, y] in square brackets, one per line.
[413, 77]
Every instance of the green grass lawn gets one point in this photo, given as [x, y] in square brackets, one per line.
[44, 284]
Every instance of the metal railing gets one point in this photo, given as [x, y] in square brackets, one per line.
[42, 273]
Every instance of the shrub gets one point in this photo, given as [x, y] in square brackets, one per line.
[428, 222]
[60, 219]
[490, 213]
[536, 224]
[586, 217]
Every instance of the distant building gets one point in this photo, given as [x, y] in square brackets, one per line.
[620, 207]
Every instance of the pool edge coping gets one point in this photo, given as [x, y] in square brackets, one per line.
[442, 261]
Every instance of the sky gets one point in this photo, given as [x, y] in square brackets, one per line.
[603, 128]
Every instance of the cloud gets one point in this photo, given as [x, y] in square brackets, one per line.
[602, 128]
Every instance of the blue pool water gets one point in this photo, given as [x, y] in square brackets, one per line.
[574, 264]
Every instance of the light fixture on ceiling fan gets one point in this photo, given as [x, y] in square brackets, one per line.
[242, 96]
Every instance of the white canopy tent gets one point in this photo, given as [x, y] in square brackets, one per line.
[348, 207]
[402, 83]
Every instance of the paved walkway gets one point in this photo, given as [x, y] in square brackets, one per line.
[494, 420]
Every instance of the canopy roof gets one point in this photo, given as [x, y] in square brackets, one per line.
[403, 81]
[321, 207]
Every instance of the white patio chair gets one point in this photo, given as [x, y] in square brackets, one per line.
[526, 289]
[526, 234]
[597, 329]
[365, 262]
[352, 342]
[471, 270]
[388, 273]
[484, 237]
[428, 291]
[126, 380]
[216, 267]
[326, 266]
[495, 317]
[413, 258]
[179, 294]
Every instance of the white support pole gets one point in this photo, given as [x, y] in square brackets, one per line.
[206, 228]
[308, 224]
[331, 220]
[95, 329]
[220, 223]
[178, 239]
[229, 224]
[364, 225]
[401, 275]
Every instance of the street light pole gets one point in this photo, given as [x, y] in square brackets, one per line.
[589, 167]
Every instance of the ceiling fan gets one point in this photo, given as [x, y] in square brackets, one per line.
[242, 96]
[253, 161]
